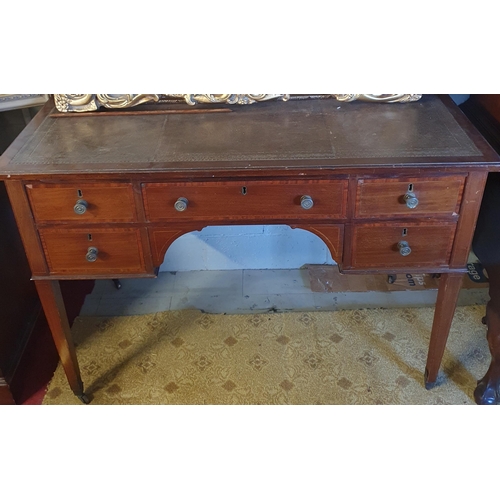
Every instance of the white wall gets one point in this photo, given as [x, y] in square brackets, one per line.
[250, 247]
[246, 247]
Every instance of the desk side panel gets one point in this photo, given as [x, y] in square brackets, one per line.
[26, 225]
[471, 203]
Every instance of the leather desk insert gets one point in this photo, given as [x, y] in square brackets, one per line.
[388, 188]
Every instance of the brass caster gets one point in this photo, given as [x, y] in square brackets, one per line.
[84, 399]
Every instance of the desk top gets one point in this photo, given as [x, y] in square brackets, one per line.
[295, 134]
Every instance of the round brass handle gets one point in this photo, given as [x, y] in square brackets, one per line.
[181, 204]
[306, 202]
[411, 200]
[92, 254]
[81, 207]
[404, 248]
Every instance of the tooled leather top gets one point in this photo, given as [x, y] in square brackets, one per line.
[320, 132]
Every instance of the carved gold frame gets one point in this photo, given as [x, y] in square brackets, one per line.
[91, 102]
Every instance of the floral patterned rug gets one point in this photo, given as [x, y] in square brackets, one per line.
[350, 357]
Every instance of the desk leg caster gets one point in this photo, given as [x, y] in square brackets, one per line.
[118, 284]
[84, 398]
[428, 384]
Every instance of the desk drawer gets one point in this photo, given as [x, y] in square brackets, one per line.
[96, 202]
[409, 196]
[399, 246]
[315, 199]
[69, 251]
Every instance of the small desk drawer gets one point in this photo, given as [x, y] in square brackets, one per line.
[399, 246]
[265, 200]
[409, 196]
[93, 252]
[96, 202]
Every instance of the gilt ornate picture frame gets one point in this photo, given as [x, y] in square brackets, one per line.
[92, 102]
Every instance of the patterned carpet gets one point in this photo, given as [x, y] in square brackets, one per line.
[355, 357]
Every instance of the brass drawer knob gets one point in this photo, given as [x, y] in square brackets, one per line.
[404, 248]
[181, 204]
[306, 202]
[92, 254]
[81, 207]
[411, 200]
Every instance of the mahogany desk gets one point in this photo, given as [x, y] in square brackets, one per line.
[389, 188]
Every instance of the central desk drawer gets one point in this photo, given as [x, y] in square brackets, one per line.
[402, 245]
[93, 252]
[409, 196]
[85, 202]
[265, 200]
